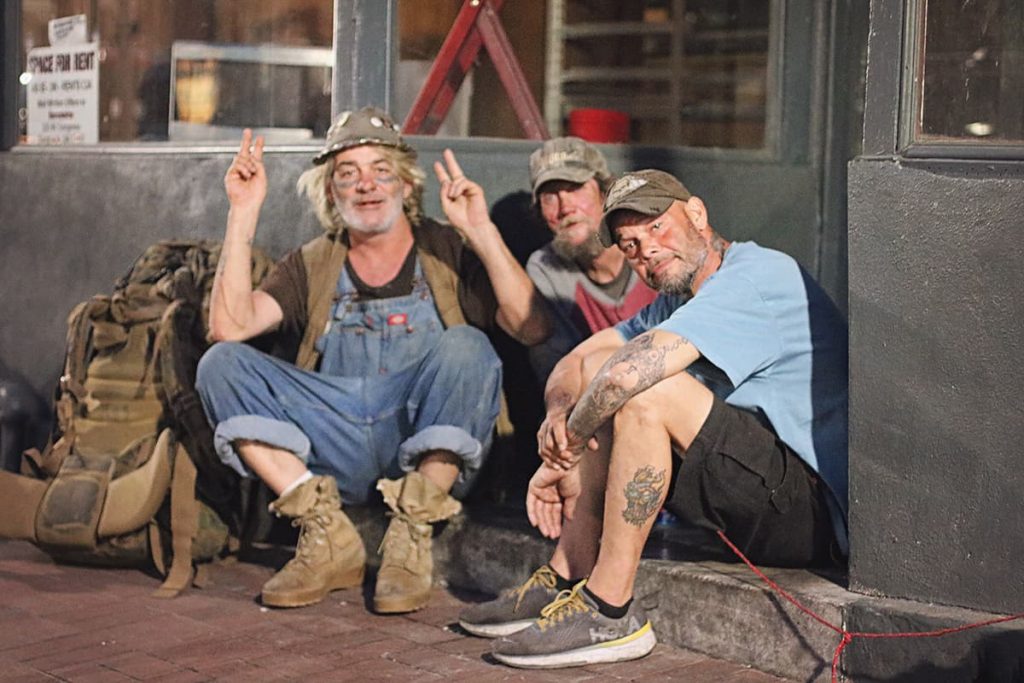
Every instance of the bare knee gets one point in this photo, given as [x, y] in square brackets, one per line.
[644, 410]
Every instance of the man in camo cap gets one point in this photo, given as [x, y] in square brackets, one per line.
[391, 384]
[588, 285]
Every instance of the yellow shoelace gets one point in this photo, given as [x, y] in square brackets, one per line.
[544, 577]
[567, 603]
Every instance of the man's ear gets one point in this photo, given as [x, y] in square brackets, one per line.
[697, 213]
[406, 190]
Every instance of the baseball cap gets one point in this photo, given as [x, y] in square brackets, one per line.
[366, 126]
[567, 158]
[649, 192]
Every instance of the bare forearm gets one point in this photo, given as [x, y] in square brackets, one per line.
[564, 385]
[521, 310]
[231, 301]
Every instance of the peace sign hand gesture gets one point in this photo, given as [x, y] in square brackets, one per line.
[246, 179]
[462, 200]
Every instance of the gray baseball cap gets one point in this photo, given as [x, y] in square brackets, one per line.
[649, 192]
[366, 126]
[567, 158]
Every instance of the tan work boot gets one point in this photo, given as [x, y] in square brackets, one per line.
[406, 569]
[329, 555]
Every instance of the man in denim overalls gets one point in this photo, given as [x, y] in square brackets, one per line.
[394, 386]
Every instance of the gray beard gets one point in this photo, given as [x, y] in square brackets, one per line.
[357, 225]
[582, 254]
[681, 285]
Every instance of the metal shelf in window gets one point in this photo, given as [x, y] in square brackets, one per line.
[677, 73]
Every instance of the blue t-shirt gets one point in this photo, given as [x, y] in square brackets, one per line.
[779, 349]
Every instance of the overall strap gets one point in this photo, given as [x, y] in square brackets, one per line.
[439, 250]
[324, 259]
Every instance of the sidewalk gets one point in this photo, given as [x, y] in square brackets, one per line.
[85, 624]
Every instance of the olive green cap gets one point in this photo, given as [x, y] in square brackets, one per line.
[567, 158]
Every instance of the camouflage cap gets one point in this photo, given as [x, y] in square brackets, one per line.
[567, 158]
[649, 192]
[366, 126]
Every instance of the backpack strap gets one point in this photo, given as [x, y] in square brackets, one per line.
[184, 526]
[180, 348]
[70, 389]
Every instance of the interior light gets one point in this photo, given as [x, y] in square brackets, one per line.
[980, 129]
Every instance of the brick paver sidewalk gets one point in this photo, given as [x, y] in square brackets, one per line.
[61, 623]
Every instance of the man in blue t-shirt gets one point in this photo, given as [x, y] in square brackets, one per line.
[725, 400]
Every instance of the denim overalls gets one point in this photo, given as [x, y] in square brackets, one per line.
[393, 383]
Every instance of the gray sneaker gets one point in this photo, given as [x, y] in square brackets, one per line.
[572, 632]
[514, 609]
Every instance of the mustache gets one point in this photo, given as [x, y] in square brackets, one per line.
[569, 221]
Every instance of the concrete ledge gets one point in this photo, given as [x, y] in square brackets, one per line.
[723, 610]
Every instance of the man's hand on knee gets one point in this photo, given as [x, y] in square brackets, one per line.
[552, 493]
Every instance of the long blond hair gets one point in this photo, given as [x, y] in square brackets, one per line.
[313, 184]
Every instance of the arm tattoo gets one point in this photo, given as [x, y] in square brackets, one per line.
[643, 495]
[634, 368]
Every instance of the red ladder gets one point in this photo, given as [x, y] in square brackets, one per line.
[476, 24]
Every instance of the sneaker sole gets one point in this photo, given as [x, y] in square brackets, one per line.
[496, 630]
[633, 646]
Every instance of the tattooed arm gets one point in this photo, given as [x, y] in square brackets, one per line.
[634, 368]
[564, 386]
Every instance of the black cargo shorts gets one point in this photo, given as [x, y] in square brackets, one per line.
[740, 478]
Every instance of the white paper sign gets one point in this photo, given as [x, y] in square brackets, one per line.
[68, 31]
[63, 95]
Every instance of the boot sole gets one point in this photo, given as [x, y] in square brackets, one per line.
[398, 605]
[349, 579]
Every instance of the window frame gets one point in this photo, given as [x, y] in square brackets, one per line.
[909, 142]
[364, 74]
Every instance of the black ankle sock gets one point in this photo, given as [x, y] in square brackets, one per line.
[610, 611]
[563, 584]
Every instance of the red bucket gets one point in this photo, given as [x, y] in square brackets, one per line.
[599, 125]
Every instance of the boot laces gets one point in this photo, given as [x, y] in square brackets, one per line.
[567, 603]
[544, 577]
[396, 551]
[312, 532]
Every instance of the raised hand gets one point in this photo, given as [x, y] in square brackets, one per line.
[462, 200]
[246, 179]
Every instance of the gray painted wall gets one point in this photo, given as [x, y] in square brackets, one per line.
[936, 366]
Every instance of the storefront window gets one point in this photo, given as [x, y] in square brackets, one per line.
[660, 72]
[179, 70]
[971, 72]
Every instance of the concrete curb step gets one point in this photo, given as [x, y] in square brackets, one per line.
[723, 610]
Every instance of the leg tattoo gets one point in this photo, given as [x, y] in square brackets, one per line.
[643, 495]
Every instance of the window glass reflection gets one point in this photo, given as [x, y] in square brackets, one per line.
[973, 71]
[195, 69]
[660, 72]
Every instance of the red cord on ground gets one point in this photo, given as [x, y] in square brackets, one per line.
[848, 636]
